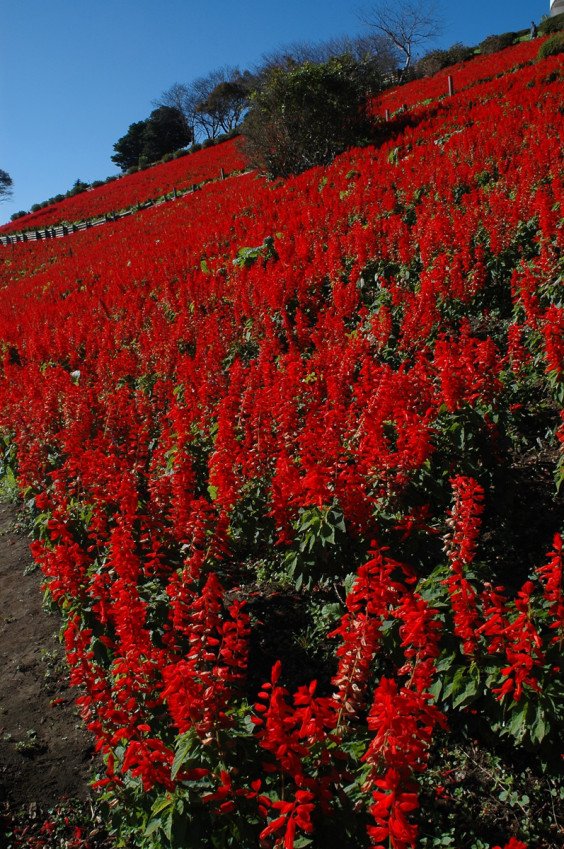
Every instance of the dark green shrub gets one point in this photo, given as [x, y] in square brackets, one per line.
[195, 147]
[552, 46]
[19, 214]
[78, 187]
[554, 24]
[305, 115]
[494, 43]
[208, 143]
[436, 60]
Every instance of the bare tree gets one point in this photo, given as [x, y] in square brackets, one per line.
[226, 104]
[406, 24]
[208, 104]
[370, 47]
[179, 97]
[5, 185]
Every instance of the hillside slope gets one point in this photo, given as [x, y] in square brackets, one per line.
[131, 190]
[291, 454]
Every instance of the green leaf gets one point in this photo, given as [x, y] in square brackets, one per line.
[181, 754]
[435, 688]
[519, 723]
[540, 727]
[468, 694]
[167, 827]
[455, 686]
[154, 824]
[445, 662]
[333, 610]
[161, 805]
[327, 533]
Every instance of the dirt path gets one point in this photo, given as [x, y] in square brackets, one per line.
[46, 754]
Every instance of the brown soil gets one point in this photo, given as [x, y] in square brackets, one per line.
[46, 754]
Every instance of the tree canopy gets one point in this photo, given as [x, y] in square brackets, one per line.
[221, 111]
[211, 104]
[304, 115]
[148, 141]
[6, 184]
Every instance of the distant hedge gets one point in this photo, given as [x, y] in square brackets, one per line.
[494, 43]
[552, 46]
[436, 60]
[552, 24]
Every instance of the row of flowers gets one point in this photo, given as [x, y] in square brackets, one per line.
[138, 188]
[464, 75]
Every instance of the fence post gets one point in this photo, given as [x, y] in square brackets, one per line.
[387, 114]
[174, 193]
[222, 174]
[450, 85]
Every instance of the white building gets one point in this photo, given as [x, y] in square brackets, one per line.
[556, 7]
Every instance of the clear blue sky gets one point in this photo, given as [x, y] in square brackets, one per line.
[75, 75]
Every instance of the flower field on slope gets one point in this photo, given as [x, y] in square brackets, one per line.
[280, 445]
[465, 74]
[129, 190]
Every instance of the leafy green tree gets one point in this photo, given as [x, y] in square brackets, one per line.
[221, 111]
[304, 115]
[129, 148]
[165, 131]
[211, 104]
[6, 184]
